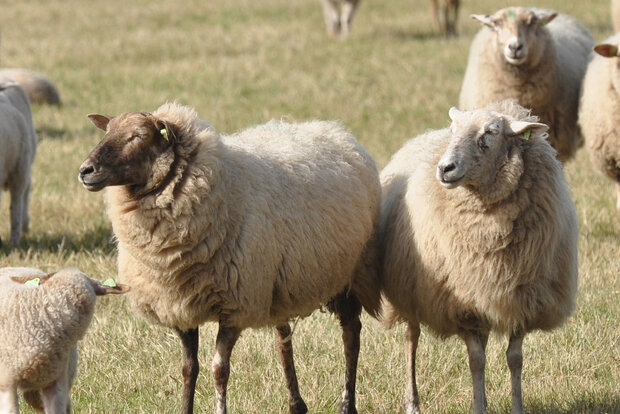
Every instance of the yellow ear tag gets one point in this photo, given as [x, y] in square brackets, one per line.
[109, 283]
[33, 282]
[526, 134]
[164, 133]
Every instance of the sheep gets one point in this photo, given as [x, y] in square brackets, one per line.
[40, 325]
[478, 233]
[338, 15]
[615, 14]
[537, 57]
[247, 230]
[18, 146]
[598, 110]
[39, 88]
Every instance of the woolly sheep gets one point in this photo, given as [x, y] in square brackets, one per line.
[18, 145]
[537, 57]
[599, 114]
[40, 327]
[247, 230]
[39, 88]
[479, 234]
[615, 14]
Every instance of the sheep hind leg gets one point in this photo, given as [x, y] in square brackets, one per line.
[514, 357]
[331, 14]
[346, 16]
[226, 339]
[17, 209]
[284, 345]
[348, 310]
[9, 401]
[412, 401]
[476, 343]
[190, 368]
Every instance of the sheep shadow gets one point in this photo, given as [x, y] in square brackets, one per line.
[584, 405]
[100, 239]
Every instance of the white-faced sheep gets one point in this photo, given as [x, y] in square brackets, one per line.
[536, 57]
[18, 145]
[246, 230]
[40, 89]
[40, 325]
[599, 111]
[478, 234]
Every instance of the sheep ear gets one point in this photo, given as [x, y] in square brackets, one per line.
[454, 113]
[485, 19]
[100, 121]
[109, 287]
[527, 129]
[606, 50]
[25, 279]
[545, 17]
[164, 129]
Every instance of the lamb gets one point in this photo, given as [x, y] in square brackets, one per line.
[598, 110]
[39, 88]
[478, 234]
[18, 145]
[246, 230]
[537, 57]
[41, 324]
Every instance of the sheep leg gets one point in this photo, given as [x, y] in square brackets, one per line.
[9, 401]
[226, 339]
[476, 344]
[412, 401]
[55, 396]
[284, 345]
[435, 16]
[346, 15]
[348, 310]
[618, 196]
[514, 357]
[25, 208]
[17, 210]
[451, 15]
[190, 368]
[331, 14]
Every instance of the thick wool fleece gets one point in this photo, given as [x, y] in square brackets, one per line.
[548, 83]
[250, 229]
[457, 259]
[39, 88]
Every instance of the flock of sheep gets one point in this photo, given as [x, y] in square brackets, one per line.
[468, 230]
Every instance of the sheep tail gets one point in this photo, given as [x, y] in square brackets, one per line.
[33, 398]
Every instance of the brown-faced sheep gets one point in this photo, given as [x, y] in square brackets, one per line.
[247, 230]
[478, 234]
[599, 111]
[40, 325]
[40, 89]
[18, 146]
[536, 57]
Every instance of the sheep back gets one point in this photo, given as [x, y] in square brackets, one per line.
[263, 225]
[453, 263]
[38, 87]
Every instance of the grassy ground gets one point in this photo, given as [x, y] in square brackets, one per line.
[241, 63]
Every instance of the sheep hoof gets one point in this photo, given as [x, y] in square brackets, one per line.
[346, 409]
[298, 407]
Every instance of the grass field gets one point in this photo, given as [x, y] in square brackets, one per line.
[241, 63]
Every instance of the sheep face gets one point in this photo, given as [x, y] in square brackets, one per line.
[130, 146]
[480, 141]
[517, 30]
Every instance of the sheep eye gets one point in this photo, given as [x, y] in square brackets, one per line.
[135, 137]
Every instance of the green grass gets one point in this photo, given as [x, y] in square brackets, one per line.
[241, 63]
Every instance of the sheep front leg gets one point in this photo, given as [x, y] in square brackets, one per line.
[9, 401]
[435, 11]
[56, 398]
[476, 344]
[514, 357]
[412, 401]
[346, 15]
[331, 14]
[618, 196]
[284, 345]
[190, 369]
[17, 211]
[226, 339]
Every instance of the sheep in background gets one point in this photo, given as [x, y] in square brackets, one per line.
[247, 230]
[18, 146]
[599, 110]
[537, 57]
[40, 325]
[39, 88]
[615, 14]
[478, 234]
[338, 16]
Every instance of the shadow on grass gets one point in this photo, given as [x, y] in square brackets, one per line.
[585, 406]
[99, 238]
[47, 132]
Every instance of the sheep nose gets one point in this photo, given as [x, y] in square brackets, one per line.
[446, 168]
[86, 168]
[515, 47]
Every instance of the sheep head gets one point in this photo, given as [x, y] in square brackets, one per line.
[517, 31]
[132, 144]
[479, 145]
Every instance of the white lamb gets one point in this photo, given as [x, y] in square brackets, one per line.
[40, 325]
[536, 57]
[599, 111]
[246, 230]
[18, 145]
[478, 234]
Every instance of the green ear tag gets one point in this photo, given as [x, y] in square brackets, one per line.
[109, 283]
[164, 133]
[526, 134]
[510, 14]
[33, 282]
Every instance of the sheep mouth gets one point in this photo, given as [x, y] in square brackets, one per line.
[93, 183]
[451, 182]
[514, 59]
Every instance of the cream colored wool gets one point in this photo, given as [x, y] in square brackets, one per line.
[599, 113]
[251, 229]
[18, 145]
[39, 88]
[502, 259]
[615, 14]
[547, 82]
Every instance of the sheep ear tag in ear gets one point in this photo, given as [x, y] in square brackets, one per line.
[527, 134]
[109, 283]
[36, 282]
[164, 134]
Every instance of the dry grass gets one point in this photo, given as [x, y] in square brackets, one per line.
[241, 63]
